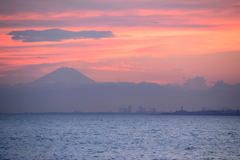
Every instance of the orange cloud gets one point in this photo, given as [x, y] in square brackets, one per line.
[164, 45]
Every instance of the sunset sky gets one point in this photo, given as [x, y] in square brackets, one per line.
[162, 41]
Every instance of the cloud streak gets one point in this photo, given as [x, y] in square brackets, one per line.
[57, 35]
[163, 21]
[16, 6]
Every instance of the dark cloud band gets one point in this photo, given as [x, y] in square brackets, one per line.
[26, 6]
[57, 35]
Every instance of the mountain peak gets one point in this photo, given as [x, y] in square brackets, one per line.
[66, 69]
[64, 75]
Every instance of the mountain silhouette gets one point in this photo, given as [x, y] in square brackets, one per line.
[50, 94]
[64, 75]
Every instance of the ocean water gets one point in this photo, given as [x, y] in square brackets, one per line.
[119, 137]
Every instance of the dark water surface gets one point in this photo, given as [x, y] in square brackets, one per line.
[120, 137]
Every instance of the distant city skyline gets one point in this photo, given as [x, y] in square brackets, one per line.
[119, 79]
[67, 90]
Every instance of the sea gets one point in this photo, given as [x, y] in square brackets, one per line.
[118, 137]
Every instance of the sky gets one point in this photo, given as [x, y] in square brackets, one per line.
[139, 40]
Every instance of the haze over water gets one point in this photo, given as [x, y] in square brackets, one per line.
[60, 58]
[120, 137]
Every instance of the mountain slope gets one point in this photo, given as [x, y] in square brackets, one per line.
[64, 75]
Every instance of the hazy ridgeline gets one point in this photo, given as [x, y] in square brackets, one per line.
[66, 90]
